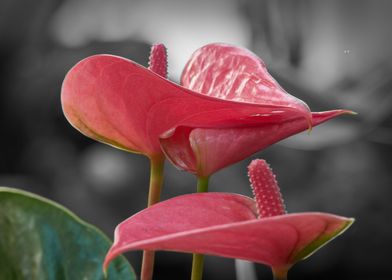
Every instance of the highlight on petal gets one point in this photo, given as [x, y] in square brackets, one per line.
[234, 73]
[118, 102]
[226, 225]
[206, 150]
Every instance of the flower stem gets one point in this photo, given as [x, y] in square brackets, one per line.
[280, 274]
[202, 184]
[156, 180]
[198, 259]
[154, 194]
[197, 266]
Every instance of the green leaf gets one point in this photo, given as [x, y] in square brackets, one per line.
[40, 239]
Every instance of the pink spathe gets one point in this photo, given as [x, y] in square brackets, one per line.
[232, 73]
[116, 101]
[225, 225]
[229, 225]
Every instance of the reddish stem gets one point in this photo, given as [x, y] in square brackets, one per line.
[156, 180]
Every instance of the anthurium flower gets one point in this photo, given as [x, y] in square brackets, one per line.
[116, 101]
[232, 73]
[231, 225]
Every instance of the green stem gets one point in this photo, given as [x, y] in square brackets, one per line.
[156, 180]
[202, 184]
[198, 259]
[280, 274]
[197, 266]
[154, 194]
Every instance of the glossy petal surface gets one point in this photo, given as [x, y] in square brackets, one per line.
[226, 225]
[118, 102]
[40, 239]
[233, 73]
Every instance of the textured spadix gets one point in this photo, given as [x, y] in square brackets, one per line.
[266, 190]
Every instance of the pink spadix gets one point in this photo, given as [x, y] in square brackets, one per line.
[229, 225]
[266, 191]
[158, 60]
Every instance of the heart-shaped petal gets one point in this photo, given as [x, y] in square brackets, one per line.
[226, 225]
[233, 73]
[118, 102]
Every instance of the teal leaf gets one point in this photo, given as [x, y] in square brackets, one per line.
[40, 239]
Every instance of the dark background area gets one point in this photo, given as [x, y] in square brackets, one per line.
[331, 54]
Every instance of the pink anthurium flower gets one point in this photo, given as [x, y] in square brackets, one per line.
[232, 73]
[116, 101]
[231, 225]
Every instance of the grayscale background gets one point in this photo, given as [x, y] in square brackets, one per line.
[331, 54]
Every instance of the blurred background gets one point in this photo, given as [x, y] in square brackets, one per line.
[331, 54]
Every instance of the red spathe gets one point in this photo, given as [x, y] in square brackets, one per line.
[232, 73]
[226, 225]
[118, 102]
